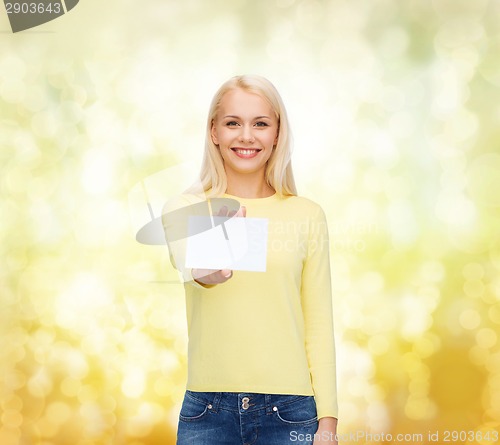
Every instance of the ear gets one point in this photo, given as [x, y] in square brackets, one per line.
[213, 133]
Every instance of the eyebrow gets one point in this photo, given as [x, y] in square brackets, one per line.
[237, 117]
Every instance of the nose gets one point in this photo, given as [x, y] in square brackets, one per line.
[246, 134]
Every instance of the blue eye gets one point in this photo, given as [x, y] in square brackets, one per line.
[231, 123]
[262, 124]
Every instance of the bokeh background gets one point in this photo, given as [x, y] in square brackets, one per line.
[396, 117]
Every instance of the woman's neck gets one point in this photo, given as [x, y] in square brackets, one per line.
[246, 187]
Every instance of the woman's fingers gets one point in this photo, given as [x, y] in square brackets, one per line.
[211, 276]
[223, 211]
[242, 212]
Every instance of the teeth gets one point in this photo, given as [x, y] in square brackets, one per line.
[246, 152]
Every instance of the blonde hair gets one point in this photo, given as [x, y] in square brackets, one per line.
[279, 173]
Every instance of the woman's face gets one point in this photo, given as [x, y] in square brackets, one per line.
[246, 131]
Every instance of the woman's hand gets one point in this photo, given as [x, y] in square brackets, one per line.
[326, 432]
[212, 277]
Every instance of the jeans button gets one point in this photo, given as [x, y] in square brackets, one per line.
[244, 402]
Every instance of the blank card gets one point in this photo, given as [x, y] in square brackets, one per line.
[237, 243]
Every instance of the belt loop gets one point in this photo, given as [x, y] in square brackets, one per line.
[216, 402]
[269, 408]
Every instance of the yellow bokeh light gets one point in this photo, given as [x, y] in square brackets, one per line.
[470, 319]
[486, 338]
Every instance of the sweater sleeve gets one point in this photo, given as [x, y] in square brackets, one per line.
[175, 214]
[316, 300]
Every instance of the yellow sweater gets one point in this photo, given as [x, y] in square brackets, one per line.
[269, 332]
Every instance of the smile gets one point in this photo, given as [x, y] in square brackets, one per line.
[246, 152]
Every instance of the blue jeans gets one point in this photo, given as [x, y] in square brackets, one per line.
[230, 418]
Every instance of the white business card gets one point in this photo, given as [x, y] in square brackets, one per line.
[237, 243]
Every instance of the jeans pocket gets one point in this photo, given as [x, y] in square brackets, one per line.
[192, 408]
[301, 411]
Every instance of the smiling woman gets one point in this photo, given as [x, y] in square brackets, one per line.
[250, 135]
[247, 110]
[261, 354]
